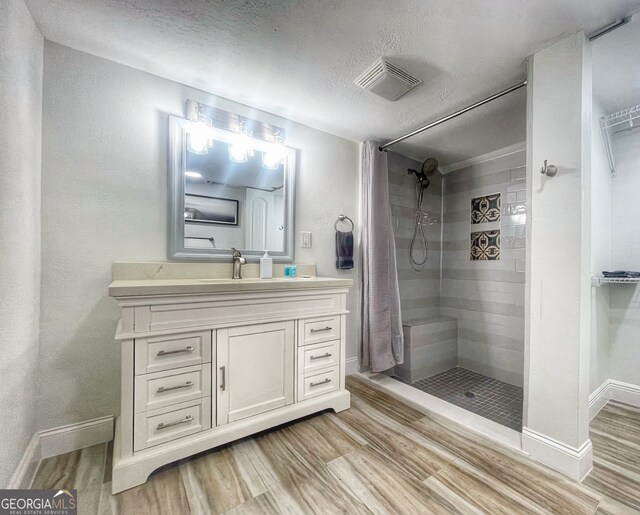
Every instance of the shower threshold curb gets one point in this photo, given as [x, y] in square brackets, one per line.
[425, 402]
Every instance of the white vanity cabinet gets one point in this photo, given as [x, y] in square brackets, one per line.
[203, 368]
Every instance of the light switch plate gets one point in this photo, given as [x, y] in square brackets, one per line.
[306, 239]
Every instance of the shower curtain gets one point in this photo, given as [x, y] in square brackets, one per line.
[382, 339]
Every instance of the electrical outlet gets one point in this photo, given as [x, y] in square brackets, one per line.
[306, 240]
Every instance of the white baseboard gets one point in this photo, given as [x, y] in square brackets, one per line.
[60, 440]
[598, 399]
[570, 461]
[28, 465]
[351, 366]
[72, 437]
[625, 392]
[616, 391]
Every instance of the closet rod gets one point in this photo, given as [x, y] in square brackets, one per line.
[454, 115]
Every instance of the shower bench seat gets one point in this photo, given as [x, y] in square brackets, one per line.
[430, 347]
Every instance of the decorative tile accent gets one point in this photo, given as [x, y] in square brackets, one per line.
[485, 209]
[485, 246]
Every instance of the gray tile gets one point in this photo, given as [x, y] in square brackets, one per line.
[493, 399]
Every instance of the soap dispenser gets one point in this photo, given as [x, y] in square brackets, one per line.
[266, 266]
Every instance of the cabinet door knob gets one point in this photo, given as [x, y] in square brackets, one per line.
[223, 378]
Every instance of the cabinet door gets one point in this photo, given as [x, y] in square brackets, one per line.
[255, 370]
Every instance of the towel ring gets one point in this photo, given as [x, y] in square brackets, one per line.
[342, 218]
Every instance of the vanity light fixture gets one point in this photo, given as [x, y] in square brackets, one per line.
[273, 158]
[200, 139]
[195, 175]
[241, 146]
[241, 134]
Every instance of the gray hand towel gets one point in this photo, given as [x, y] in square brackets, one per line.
[344, 250]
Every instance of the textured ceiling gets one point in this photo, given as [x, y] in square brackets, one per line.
[616, 67]
[298, 59]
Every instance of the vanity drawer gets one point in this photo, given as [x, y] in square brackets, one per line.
[194, 313]
[169, 387]
[318, 383]
[166, 424]
[318, 356]
[172, 351]
[316, 330]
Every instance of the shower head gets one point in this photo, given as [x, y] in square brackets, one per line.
[429, 167]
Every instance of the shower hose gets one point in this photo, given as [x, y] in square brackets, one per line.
[419, 233]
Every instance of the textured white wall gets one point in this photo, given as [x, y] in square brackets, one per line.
[600, 252]
[104, 200]
[624, 314]
[21, 47]
[558, 254]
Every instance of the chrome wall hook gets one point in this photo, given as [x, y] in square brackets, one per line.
[549, 170]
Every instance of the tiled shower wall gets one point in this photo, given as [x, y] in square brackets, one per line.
[487, 297]
[419, 291]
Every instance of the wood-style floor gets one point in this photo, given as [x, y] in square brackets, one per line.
[380, 456]
[615, 435]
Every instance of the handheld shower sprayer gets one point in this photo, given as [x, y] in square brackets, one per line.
[429, 167]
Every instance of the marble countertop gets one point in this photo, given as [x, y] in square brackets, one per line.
[139, 287]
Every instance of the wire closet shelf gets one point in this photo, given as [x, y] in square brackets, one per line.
[615, 123]
[597, 281]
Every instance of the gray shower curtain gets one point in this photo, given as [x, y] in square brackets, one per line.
[382, 339]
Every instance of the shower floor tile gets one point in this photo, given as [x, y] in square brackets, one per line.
[492, 399]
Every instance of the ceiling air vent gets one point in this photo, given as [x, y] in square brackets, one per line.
[386, 80]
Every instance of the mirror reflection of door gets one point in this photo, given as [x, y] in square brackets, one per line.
[265, 216]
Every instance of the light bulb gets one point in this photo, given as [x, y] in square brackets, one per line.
[273, 158]
[199, 138]
[241, 146]
[237, 154]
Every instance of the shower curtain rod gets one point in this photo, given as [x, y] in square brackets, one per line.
[454, 115]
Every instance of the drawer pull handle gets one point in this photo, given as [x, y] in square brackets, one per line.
[327, 380]
[162, 425]
[169, 388]
[179, 351]
[325, 355]
[327, 328]
[223, 379]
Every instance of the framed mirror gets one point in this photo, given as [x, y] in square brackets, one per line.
[223, 195]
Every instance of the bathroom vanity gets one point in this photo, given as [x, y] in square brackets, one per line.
[208, 361]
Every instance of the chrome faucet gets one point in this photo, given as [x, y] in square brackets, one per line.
[238, 261]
